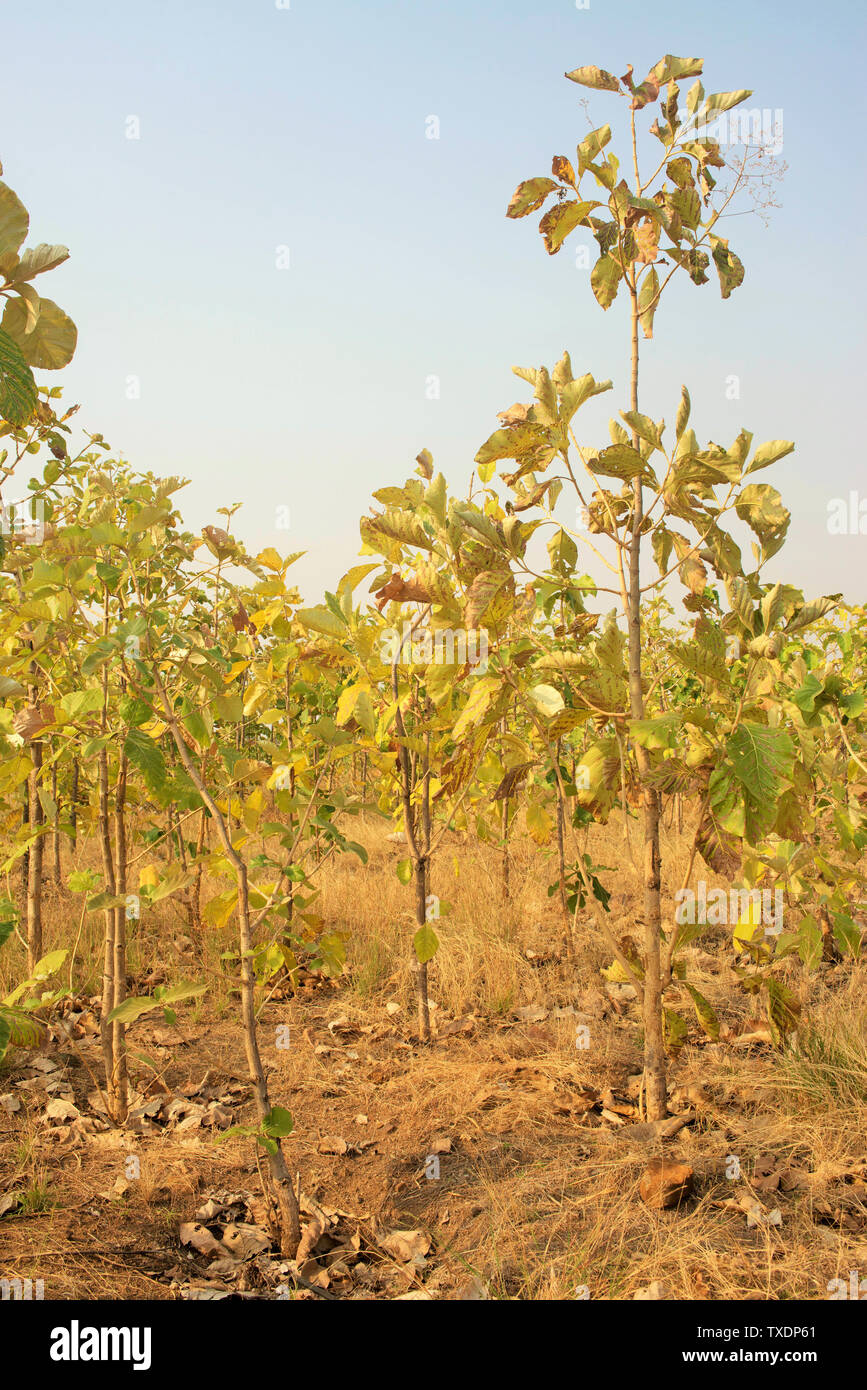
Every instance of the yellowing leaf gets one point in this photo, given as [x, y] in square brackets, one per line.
[539, 823]
[547, 700]
[269, 558]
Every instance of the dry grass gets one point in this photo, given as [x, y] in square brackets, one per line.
[537, 1198]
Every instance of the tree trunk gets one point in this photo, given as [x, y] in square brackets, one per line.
[73, 808]
[419, 857]
[25, 858]
[419, 968]
[287, 1201]
[197, 887]
[55, 839]
[119, 990]
[504, 828]
[108, 971]
[654, 1049]
[34, 861]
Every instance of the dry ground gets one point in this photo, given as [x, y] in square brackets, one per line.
[540, 1154]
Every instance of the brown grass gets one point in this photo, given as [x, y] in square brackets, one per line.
[536, 1199]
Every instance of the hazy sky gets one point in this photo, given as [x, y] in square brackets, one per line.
[271, 133]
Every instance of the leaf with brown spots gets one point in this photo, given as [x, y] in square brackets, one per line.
[562, 169]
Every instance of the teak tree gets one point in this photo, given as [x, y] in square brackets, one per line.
[647, 230]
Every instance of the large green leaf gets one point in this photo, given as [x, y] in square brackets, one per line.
[144, 753]
[133, 1008]
[762, 759]
[137, 1005]
[77, 703]
[426, 943]
[619, 461]
[175, 993]
[51, 344]
[22, 1029]
[656, 734]
[605, 278]
[17, 387]
[278, 1123]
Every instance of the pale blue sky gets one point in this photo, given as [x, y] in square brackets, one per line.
[304, 128]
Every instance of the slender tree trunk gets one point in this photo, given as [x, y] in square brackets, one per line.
[561, 858]
[55, 839]
[419, 968]
[34, 860]
[419, 854]
[25, 858]
[108, 971]
[73, 808]
[197, 886]
[504, 831]
[654, 1048]
[281, 1179]
[109, 962]
[119, 988]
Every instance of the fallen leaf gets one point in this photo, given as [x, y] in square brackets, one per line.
[409, 1247]
[454, 1026]
[243, 1242]
[310, 1238]
[193, 1233]
[332, 1144]
[530, 1013]
[61, 1112]
[666, 1183]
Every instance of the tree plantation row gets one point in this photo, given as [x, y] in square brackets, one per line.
[169, 700]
